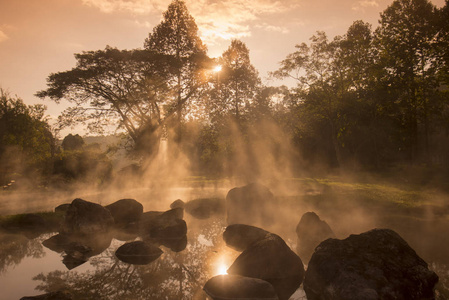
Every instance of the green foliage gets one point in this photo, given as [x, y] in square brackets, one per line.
[26, 142]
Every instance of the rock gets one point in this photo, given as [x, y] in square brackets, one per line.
[74, 260]
[240, 236]
[57, 242]
[86, 218]
[252, 204]
[177, 204]
[270, 259]
[311, 231]
[60, 295]
[377, 264]
[62, 208]
[125, 211]
[204, 208]
[138, 253]
[228, 287]
[167, 224]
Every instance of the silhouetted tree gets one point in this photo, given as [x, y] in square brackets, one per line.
[406, 40]
[72, 142]
[177, 37]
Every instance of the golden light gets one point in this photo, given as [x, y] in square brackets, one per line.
[217, 69]
[222, 269]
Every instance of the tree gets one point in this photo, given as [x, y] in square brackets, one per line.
[26, 142]
[406, 40]
[177, 37]
[237, 83]
[72, 142]
[123, 87]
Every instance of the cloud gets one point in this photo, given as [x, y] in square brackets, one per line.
[364, 4]
[273, 28]
[216, 19]
[3, 36]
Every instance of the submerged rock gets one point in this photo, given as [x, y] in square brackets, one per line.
[228, 287]
[377, 264]
[311, 231]
[138, 253]
[270, 259]
[86, 218]
[240, 236]
[125, 211]
[204, 208]
[251, 204]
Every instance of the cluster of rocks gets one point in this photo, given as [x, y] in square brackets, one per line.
[377, 264]
[266, 269]
[88, 228]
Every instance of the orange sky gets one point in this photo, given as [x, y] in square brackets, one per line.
[38, 37]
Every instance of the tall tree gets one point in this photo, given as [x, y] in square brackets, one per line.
[238, 82]
[406, 40]
[177, 36]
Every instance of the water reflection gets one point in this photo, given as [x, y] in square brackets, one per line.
[175, 275]
[15, 247]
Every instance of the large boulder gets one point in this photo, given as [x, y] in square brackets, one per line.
[86, 218]
[138, 253]
[205, 208]
[311, 231]
[377, 264]
[241, 236]
[125, 211]
[228, 287]
[252, 204]
[270, 259]
[166, 228]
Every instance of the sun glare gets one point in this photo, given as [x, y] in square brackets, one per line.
[222, 269]
[217, 68]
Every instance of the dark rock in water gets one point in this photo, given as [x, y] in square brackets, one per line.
[174, 244]
[74, 260]
[167, 224]
[62, 208]
[240, 236]
[377, 264]
[31, 225]
[88, 245]
[252, 204]
[205, 208]
[228, 287]
[57, 242]
[125, 211]
[311, 231]
[270, 259]
[86, 218]
[177, 204]
[138, 253]
[60, 295]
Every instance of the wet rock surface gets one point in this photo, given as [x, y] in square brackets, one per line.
[228, 287]
[240, 236]
[270, 259]
[311, 231]
[125, 211]
[251, 205]
[138, 253]
[204, 208]
[377, 264]
[86, 218]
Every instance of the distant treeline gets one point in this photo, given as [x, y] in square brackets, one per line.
[365, 99]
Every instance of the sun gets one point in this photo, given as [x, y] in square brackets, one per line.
[222, 269]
